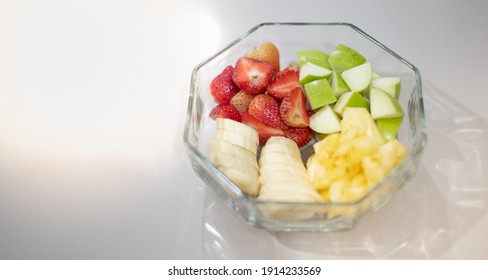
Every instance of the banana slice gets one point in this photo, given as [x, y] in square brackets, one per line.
[237, 139]
[284, 178]
[245, 181]
[279, 148]
[283, 141]
[233, 152]
[270, 158]
[228, 153]
[277, 166]
[244, 130]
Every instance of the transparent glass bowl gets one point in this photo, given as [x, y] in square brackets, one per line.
[290, 38]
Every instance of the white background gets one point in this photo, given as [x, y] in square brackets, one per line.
[93, 97]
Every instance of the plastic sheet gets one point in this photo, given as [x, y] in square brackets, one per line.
[447, 196]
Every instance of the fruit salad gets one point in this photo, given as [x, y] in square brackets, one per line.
[335, 102]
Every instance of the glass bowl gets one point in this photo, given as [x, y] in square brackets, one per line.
[290, 38]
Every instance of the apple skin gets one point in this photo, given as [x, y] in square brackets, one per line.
[337, 84]
[316, 57]
[319, 93]
[344, 57]
[389, 127]
[350, 99]
[310, 72]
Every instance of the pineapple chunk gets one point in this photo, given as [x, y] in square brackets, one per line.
[346, 165]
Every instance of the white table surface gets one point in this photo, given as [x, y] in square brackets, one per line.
[93, 96]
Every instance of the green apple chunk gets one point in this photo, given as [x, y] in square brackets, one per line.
[337, 84]
[325, 121]
[383, 105]
[389, 127]
[350, 99]
[310, 72]
[390, 85]
[359, 77]
[343, 58]
[319, 93]
[316, 57]
[375, 75]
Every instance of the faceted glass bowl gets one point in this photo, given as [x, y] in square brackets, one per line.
[290, 38]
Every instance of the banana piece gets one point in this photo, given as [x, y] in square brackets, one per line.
[246, 182]
[280, 148]
[244, 130]
[233, 151]
[231, 161]
[237, 139]
[226, 151]
[267, 159]
[284, 178]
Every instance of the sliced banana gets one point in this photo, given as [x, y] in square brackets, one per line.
[245, 181]
[267, 159]
[277, 166]
[233, 152]
[282, 140]
[228, 152]
[232, 161]
[244, 130]
[284, 178]
[237, 139]
[280, 148]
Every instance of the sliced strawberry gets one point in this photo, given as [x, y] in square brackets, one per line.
[223, 87]
[241, 101]
[293, 109]
[264, 131]
[301, 135]
[283, 83]
[267, 110]
[251, 75]
[225, 111]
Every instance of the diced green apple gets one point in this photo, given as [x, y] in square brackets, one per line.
[337, 84]
[343, 58]
[375, 75]
[350, 99]
[390, 85]
[319, 93]
[359, 77]
[310, 72]
[389, 127]
[383, 105]
[325, 121]
[316, 57]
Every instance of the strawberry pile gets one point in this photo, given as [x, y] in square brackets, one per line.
[256, 93]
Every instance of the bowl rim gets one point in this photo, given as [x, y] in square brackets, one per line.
[413, 156]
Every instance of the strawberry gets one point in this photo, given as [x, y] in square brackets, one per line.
[266, 52]
[301, 135]
[293, 66]
[241, 101]
[225, 111]
[264, 131]
[251, 75]
[293, 109]
[283, 83]
[267, 110]
[223, 87]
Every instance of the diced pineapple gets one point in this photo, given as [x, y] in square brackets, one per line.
[348, 164]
